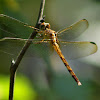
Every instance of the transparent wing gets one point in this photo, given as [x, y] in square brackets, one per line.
[11, 27]
[73, 50]
[12, 46]
[74, 30]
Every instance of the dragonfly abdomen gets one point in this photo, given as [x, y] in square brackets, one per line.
[57, 49]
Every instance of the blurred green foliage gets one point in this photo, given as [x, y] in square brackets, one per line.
[9, 4]
[23, 88]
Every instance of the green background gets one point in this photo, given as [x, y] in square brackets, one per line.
[44, 77]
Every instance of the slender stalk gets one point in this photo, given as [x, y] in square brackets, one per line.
[14, 65]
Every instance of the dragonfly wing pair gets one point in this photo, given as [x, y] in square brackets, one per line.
[10, 27]
[14, 29]
[73, 50]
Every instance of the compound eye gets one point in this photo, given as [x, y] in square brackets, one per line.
[55, 34]
[42, 26]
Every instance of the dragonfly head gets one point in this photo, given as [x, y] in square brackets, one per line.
[44, 25]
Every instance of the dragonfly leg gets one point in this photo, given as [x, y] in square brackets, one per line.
[57, 49]
[39, 41]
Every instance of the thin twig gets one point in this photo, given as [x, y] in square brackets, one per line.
[14, 65]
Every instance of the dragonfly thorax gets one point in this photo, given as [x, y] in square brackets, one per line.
[50, 34]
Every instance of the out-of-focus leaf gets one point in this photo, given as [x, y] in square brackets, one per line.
[12, 4]
[23, 89]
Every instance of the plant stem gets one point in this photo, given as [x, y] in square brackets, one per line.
[14, 65]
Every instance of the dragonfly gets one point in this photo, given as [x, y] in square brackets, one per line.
[56, 39]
